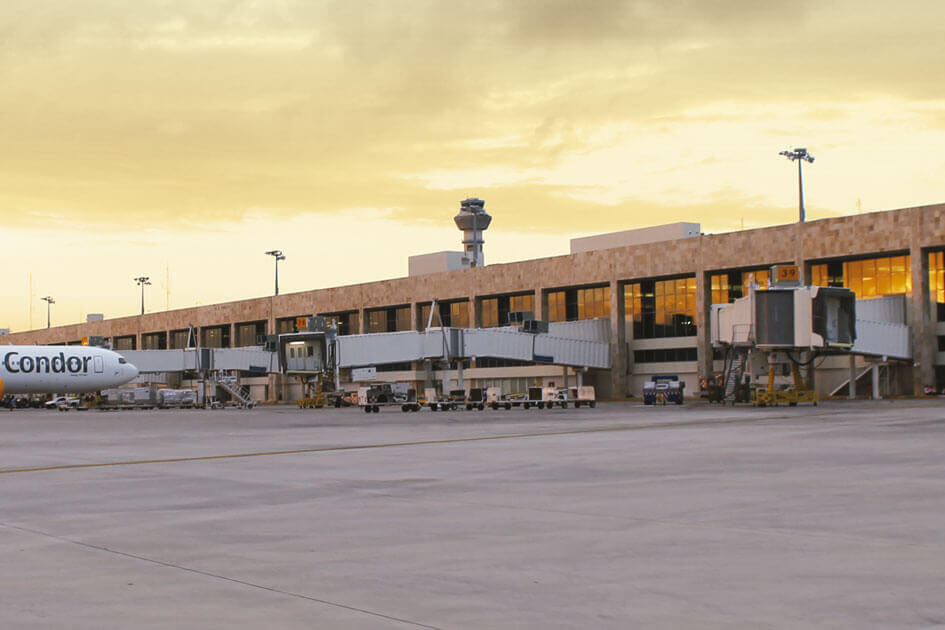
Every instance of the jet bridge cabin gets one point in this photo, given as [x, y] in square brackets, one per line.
[804, 317]
[305, 352]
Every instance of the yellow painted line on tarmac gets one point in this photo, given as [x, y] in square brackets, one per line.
[357, 447]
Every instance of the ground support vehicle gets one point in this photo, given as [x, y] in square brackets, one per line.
[456, 399]
[585, 395]
[543, 398]
[64, 403]
[128, 398]
[476, 399]
[664, 389]
[388, 395]
[176, 398]
[771, 397]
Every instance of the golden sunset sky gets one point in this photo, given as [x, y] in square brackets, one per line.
[180, 140]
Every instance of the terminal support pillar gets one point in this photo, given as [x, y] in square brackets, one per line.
[852, 387]
[922, 328]
[566, 375]
[415, 323]
[706, 367]
[875, 373]
[541, 305]
[803, 271]
[618, 342]
[475, 312]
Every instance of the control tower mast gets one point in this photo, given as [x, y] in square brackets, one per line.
[473, 221]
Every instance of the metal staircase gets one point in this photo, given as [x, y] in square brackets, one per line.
[734, 375]
[239, 393]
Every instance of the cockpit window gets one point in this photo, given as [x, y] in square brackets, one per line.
[122, 361]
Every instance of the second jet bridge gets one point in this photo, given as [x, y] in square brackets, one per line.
[466, 343]
[575, 344]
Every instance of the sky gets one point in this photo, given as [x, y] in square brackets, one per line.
[181, 140]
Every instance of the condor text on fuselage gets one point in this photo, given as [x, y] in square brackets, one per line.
[60, 369]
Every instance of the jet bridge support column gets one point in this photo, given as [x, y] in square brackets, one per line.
[875, 373]
[852, 386]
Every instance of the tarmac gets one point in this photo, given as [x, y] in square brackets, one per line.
[622, 516]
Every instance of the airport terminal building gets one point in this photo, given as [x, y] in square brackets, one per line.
[652, 288]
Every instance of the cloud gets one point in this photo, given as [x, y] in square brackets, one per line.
[565, 117]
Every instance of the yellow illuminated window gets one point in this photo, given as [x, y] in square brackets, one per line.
[937, 277]
[876, 277]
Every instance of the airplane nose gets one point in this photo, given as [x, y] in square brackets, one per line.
[132, 371]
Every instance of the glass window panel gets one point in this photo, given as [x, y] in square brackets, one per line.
[882, 266]
[898, 283]
[883, 285]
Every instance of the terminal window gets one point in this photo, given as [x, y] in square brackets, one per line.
[346, 323]
[868, 277]
[388, 319]
[728, 287]
[661, 308]
[571, 305]
[455, 314]
[937, 283]
[495, 311]
[124, 343]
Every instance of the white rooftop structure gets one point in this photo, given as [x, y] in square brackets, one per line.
[639, 236]
[437, 262]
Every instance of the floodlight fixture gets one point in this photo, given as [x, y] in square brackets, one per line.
[142, 281]
[49, 301]
[799, 155]
[277, 255]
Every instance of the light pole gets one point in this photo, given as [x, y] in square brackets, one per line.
[48, 300]
[799, 155]
[142, 282]
[277, 254]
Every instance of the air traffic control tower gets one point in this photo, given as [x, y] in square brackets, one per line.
[473, 221]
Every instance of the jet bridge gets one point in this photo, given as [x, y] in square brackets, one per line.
[465, 343]
[825, 319]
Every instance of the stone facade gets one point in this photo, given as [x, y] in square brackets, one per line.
[910, 230]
